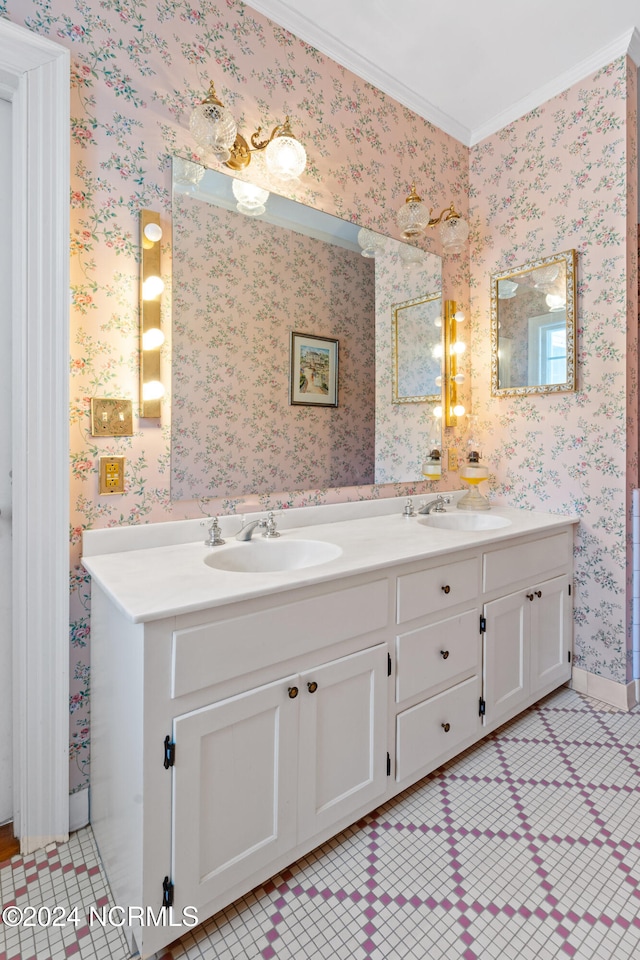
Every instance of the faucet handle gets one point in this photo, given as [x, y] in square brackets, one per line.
[408, 508]
[215, 533]
[270, 527]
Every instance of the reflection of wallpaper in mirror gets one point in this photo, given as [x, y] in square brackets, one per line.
[233, 430]
[416, 337]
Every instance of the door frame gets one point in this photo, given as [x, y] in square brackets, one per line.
[34, 76]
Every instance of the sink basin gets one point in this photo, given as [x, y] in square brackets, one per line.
[465, 521]
[263, 556]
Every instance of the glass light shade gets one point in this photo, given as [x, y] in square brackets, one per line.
[152, 390]
[369, 242]
[285, 157]
[152, 339]
[454, 233]
[152, 288]
[413, 215]
[213, 128]
[187, 172]
[507, 289]
[153, 232]
[545, 276]
[251, 199]
[555, 302]
[410, 256]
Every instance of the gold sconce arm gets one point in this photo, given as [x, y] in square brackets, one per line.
[151, 336]
[450, 212]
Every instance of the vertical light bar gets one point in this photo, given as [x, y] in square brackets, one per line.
[450, 365]
[149, 315]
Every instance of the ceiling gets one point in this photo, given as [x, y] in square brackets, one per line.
[469, 67]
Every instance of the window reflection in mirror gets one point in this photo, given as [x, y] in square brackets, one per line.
[533, 327]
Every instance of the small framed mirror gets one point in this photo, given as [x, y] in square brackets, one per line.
[533, 327]
[416, 348]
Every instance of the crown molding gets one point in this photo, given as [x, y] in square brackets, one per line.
[627, 43]
[331, 46]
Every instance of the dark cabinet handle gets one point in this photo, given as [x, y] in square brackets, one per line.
[293, 693]
[529, 596]
[446, 589]
[445, 654]
[446, 727]
[312, 687]
[538, 593]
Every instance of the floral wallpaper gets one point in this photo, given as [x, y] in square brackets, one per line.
[564, 176]
[137, 69]
[240, 286]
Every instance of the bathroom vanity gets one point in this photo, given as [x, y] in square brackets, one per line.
[241, 718]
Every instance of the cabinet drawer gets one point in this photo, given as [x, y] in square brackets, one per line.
[526, 561]
[421, 737]
[429, 591]
[432, 656]
[213, 652]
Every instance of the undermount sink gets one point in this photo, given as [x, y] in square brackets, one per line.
[264, 556]
[465, 521]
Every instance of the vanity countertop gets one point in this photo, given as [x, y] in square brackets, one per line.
[171, 579]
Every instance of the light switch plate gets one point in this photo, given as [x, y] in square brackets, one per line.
[111, 417]
[111, 475]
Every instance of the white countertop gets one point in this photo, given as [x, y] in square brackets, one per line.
[173, 578]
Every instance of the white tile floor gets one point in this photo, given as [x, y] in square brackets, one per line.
[526, 846]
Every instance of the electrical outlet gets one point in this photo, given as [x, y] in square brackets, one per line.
[111, 474]
[453, 459]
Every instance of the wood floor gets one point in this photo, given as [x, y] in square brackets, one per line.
[9, 846]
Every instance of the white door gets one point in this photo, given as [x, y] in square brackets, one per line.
[6, 703]
[551, 616]
[506, 676]
[343, 752]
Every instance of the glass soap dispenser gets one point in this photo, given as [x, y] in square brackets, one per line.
[473, 473]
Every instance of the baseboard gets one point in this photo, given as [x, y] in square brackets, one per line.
[78, 809]
[621, 695]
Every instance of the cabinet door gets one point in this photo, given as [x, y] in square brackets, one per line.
[343, 752]
[506, 655]
[550, 633]
[234, 790]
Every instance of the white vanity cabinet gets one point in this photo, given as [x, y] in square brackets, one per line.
[229, 741]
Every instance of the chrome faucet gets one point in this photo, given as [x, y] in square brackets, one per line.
[268, 525]
[437, 505]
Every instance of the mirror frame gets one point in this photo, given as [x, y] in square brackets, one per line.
[395, 375]
[569, 385]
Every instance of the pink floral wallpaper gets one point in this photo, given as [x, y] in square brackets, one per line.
[240, 286]
[564, 176]
[137, 69]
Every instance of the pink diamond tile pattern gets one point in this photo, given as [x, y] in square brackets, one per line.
[525, 846]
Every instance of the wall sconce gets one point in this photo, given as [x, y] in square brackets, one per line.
[151, 335]
[214, 129]
[453, 350]
[414, 218]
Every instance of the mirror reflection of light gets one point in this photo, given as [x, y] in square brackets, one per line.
[458, 348]
[437, 351]
[555, 302]
[437, 412]
[438, 381]
[459, 378]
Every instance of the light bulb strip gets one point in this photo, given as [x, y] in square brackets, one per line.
[450, 364]
[149, 314]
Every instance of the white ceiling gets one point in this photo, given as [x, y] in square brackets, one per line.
[468, 66]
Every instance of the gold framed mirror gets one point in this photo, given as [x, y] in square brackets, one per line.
[533, 327]
[416, 349]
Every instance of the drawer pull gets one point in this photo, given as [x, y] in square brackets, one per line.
[538, 593]
[445, 654]
[312, 687]
[293, 693]
[529, 596]
[446, 589]
[446, 727]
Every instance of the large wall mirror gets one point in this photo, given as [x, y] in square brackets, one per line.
[248, 269]
[533, 327]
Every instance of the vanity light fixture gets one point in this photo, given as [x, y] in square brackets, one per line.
[414, 218]
[452, 351]
[370, 243]
[214, 129]
[251, 199]
[151, 335]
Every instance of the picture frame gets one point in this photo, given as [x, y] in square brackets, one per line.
[313, 377]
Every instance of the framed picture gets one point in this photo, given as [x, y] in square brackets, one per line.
[313, 379]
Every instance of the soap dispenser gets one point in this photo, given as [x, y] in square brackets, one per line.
[473, 473]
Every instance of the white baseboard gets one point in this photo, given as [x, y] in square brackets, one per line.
[78, 809]
[621, 695]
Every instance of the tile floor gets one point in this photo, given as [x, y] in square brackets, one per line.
[526, 846]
